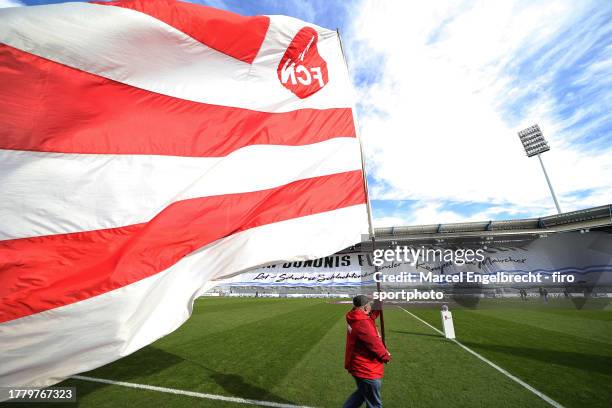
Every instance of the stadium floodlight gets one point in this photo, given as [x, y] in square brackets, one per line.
[535, 144]
[533, 141]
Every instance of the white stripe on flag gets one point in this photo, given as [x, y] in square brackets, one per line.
[63, 193]
[95, 38]
[42, 349]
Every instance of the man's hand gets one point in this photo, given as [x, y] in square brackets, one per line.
[386, 358]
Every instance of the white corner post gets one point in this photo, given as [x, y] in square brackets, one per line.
[447, 322]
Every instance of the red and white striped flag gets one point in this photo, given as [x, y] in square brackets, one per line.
[147, 147]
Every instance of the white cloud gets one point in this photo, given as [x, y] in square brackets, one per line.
[389, 221]
[10, 3]
[434, 212]
[427, 212]
[433, 123]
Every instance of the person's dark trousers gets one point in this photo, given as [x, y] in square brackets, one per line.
[368, 391]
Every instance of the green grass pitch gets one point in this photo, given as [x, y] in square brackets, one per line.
[292, 350]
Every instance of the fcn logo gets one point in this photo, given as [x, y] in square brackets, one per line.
[302, 70]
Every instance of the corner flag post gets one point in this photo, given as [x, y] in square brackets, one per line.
[371, 231]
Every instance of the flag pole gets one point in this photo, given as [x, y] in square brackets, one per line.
[371, 231]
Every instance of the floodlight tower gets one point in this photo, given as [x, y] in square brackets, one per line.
[535, 144]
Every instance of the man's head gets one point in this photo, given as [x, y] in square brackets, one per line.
[362, 302]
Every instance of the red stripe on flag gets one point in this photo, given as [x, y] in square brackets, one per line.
[46, 106]
[43, 273]
[232, 34]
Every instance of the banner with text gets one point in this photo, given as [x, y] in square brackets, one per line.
[586, 257]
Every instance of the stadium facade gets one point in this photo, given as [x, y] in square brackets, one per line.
[571, 251]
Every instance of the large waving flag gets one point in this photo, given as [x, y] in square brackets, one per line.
[147, 147]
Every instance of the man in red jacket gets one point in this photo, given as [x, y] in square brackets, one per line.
[365, 354]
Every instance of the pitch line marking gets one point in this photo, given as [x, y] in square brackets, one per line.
[189, 393]
[545, 397]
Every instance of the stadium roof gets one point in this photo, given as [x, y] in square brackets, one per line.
[599, 218]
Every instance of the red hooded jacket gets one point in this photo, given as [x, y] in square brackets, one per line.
[365, 352]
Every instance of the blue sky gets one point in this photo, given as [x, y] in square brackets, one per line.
[444, 87]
